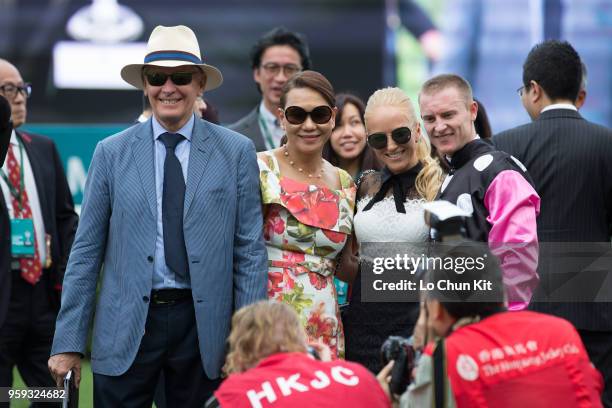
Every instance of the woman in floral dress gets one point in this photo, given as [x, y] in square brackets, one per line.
[308, 209]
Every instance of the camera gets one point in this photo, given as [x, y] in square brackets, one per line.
[447, 221]
[401, 351]
[314, 353]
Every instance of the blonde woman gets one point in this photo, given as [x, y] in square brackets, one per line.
[389, 209]
[268, 365]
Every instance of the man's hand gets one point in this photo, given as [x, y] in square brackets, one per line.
[60, 364]
[420, 335]
[384, 378]
[322, 350]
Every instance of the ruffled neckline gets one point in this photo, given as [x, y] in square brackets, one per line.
[311, 204]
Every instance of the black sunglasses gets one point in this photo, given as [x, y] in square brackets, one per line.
[160, 78]
[401, 135]
[319, 115]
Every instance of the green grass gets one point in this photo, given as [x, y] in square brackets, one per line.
[85, 389]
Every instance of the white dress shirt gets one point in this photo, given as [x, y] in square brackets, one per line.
[270, 127]
[30, 188]
[559, 106]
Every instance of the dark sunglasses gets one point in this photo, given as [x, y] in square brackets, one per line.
[160, 78]
[400, 135]
[319, 115]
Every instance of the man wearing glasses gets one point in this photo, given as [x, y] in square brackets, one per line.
[37, 226]
[275, 58]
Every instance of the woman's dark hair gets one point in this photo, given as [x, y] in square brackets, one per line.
[482, 124]
[211, 113]
[367, 160]
[312, 80]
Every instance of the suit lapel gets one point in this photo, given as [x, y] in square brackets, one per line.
[255, 130]
[143, 152]
[3, 206]
[201, 146]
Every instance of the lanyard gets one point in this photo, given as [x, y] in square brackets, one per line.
[266, 132]
[18, 195]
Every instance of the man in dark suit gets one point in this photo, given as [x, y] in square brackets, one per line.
[6, 128]
[570, 161]
[37, 227]
[277, 56]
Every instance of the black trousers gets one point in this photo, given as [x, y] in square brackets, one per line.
[27, 334]
[170, 345]
[599, 348]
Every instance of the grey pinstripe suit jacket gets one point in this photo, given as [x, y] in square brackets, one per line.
[223, 236]
[249, 126]
[570, 161]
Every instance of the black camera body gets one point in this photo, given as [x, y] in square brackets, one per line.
[446, 221]
[314, 353]
[400, 350]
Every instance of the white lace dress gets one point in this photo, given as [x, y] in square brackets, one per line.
[367, 324]
[382, 223]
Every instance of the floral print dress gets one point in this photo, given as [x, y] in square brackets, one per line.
[305, 228]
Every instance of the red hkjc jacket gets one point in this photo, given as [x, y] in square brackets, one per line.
[520, 359]
[297, 380]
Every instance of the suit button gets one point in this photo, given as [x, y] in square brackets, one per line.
[150, 259]
[146, 299]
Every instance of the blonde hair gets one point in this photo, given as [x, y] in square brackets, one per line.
[430, 177]
[262, 329]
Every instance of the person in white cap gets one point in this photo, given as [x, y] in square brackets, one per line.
[172, 209]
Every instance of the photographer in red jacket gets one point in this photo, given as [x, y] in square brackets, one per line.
[487, 357]
[269, 366]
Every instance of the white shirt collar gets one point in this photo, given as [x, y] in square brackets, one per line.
[185, 131]
[268, 116]
[559, 106]
[14, 140]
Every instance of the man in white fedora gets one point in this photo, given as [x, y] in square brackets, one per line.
[172, 210]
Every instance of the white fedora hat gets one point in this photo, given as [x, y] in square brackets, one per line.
[172, 47]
